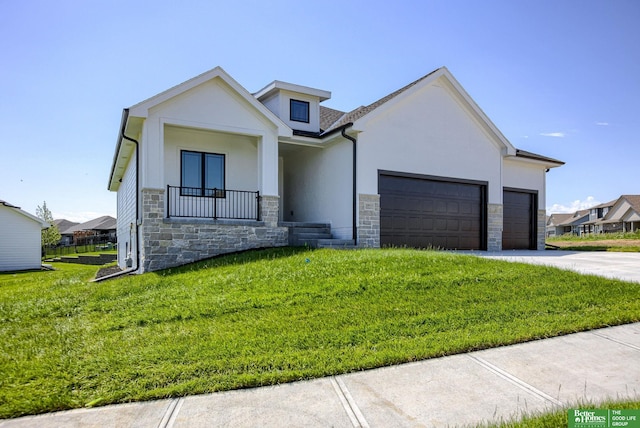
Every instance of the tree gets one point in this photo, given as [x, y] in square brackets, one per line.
[50, 236]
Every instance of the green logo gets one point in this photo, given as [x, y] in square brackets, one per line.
[581, 418]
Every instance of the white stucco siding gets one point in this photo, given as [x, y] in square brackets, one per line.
[126, 224]
[240, 151]
[212, 106]
[20, 241]
[429, 133]
[527, 175]
[318, 187]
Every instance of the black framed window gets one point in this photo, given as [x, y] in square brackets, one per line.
[299, 111]
[201, 173]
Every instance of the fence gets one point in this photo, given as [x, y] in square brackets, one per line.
[213, 203]
[60, 250]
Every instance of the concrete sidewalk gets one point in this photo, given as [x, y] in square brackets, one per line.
[460, 390]
[624, 266]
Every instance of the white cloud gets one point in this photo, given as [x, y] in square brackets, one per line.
[602, 123]
[574, 206]
[553, 134]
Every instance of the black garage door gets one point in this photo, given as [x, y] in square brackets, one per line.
[422, 212]
[519, 226]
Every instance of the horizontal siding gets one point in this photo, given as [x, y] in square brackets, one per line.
[127, 213]
[20, 241]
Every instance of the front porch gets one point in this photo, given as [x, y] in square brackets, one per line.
[169, 241]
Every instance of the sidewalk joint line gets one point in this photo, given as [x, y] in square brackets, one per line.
[514, 380]
[637, 348]
[348, 403]
[171, 414]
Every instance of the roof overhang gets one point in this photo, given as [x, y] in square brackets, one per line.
[277, 85]
[525, 156]
[43, 224]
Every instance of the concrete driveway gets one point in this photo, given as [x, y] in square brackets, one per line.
[624, 266]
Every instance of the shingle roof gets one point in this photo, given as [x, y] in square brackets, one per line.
[560, 218]
[101, 223]
[7, 204]
[357, 113]
[331, 119]
[575, 217]
[634, 201]
[64, 225]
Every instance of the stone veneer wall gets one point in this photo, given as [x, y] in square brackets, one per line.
[369, 221]
[542, 232]
[494, 227]
[170, 242]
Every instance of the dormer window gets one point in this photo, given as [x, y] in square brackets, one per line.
[299, 111]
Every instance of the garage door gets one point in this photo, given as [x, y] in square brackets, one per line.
[519, 225]
[422, 212]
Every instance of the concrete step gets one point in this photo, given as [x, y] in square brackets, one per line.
[299, 230]
[292, 224]
[336, 243]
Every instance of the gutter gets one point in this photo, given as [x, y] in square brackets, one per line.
[355, 194]
[125, 118]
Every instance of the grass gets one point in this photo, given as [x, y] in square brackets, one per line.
[558, 417]
[617, 242]
[274, 316]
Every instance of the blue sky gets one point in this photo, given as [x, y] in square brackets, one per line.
[559, 78]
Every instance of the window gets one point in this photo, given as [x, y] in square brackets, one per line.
[201, 173]
[299, 111]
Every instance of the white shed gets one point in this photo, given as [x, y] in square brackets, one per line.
[20, 238]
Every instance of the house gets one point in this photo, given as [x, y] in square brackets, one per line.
[206, 168]
[623, 215]
[20, 238]
[576, 223]
[556, 224]
[98, 230]
[596, 217]
[66, 237]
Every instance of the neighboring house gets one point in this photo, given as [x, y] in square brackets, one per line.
[596, 217]
[556, 226]
[207, 168]
[20, 238]
[66, 237]
[576, 223]
[99, 230]
[623, 215]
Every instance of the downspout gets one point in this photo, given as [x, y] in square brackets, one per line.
[355, 190]
[125, 118]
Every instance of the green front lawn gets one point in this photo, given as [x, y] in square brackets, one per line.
[274, 316]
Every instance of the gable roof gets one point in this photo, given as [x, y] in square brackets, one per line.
[43, 224]
[64, 225]
[576, 218]
[361, 111]
[558, 218]
[332, 120]
[632, 200]
[133, 117]
[141, 109]
[101, 223]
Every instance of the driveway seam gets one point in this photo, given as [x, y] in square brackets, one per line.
[348, 403]
[629, 345]
[516, 381]
[171, 414]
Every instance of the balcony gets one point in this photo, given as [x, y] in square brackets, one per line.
[196, 202]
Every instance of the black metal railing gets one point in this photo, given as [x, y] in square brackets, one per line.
[196, 202]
